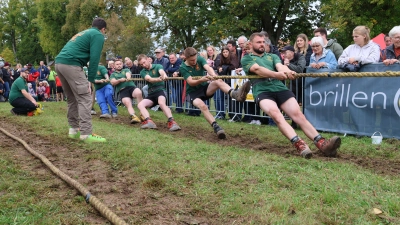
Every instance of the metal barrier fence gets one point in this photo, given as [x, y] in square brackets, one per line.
[221, 105]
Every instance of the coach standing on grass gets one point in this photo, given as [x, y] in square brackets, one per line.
[84, 47]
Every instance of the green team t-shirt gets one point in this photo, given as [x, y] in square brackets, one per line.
[18, 85]
[101, 72]
[197, 70]
[268, 61]
[122, 74]
[153, 72]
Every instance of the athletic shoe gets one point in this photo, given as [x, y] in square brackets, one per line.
[148, 124]
[135, 119]
[93, 138]
[241, 93]
[257, 122]
[173, 126]
[219, 131]
[114, 115]
[105, 115]
[75, 136]
[30, 113]
[329, 147]
[12, 112]
[303, 149]
[92, 112]
[142, 119]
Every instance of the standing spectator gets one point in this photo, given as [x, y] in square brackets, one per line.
[321, 57]
[105, 93]
[60, 92]
[393, 51]
[330, 44]
[301, 46]
[388, 42]
[17, 71]
[23, 103]
[84, 47]
[52, 82]
[33, 75]
[160, 58]
[43, 71]
[174, 86]
[363, 51]
[6, 79]
[2, 99]
[269, 46]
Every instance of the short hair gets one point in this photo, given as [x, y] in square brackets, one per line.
[244, 38]
[99, 23]
[264, 33]
[321, 30]
[118, 60]
[267, 41]
[189, 52]
[363, 30]
[317, 40]
[395, 30]
[232, 42]
[172, 53]
[255, 35]
[141, 56]
[386, 36]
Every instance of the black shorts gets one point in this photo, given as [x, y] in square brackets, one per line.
[279, 97]
[127, 92]
[59, 89]
[154, 97]
[200, 93]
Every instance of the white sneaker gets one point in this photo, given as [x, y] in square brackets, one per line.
[252, 122]
[257, 122]
[92, 112]
[155, 108]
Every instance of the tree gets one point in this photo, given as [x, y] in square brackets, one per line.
[50, 18]
[8, 55]
[343, 16]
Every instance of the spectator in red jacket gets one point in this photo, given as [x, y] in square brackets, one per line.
[33, 75]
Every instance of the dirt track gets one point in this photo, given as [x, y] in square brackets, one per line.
[122, 193]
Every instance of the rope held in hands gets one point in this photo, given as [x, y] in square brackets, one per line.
[297, 75]
[97, 204]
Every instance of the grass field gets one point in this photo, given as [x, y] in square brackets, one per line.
[191, 177]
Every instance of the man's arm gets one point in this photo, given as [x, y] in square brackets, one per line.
[264, 72]
[28, 96]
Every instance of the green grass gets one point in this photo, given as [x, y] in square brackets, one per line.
[236, 185]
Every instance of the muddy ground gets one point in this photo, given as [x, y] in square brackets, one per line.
[116, 189]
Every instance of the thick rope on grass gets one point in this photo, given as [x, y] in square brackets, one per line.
[104, 210]
[297, 75]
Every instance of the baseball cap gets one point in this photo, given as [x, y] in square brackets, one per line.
[288, 47]
[6, 64]
[29, 64]
[24, 69]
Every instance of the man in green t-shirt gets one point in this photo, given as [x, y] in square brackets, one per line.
[84, 47]
[23, 102]
[273, 96]
[105, 93]
[126, 88]
[154, 75]
[204, 88]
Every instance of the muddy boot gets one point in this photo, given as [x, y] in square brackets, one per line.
[241, 93]
[219, 131]
[303, 149]
[328, 147]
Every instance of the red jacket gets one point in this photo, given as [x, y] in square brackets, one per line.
[33, 76]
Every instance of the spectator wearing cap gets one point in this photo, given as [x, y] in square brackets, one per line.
[20, 99]
[160, 59]
[6, 79]
[33, 75]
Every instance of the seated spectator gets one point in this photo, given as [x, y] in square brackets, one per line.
[47, 92]
[393, 51]
[321, 57]
[363, 51]
[20, 99]
[40, 91]
[301, 46]
[31, 91]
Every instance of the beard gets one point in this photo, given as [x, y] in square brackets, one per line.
[260, 50]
